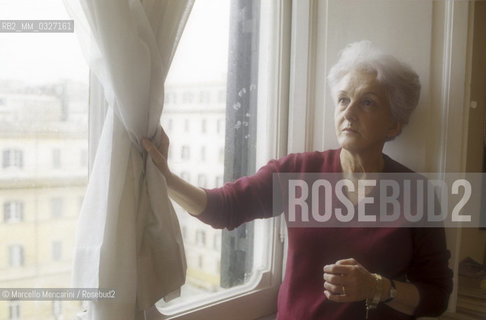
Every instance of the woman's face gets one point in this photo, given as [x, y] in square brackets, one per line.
[362, 116]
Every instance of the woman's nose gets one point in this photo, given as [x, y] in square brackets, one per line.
[350, 111]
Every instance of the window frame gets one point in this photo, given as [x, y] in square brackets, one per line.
[12, 158]
[16, 255]
[13, 211]
[258, 297]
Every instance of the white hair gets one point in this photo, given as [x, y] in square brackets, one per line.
[401, 82]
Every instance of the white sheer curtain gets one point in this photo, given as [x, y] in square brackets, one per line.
[128, 237]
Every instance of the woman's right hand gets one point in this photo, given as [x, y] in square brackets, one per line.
[159, 154]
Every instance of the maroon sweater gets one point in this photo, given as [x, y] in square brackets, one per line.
[419, 255]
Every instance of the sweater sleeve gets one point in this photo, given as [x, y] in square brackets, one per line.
[430, 272]
[245, 199]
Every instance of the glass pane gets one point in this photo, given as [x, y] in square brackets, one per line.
[43, 147]
[211, 82]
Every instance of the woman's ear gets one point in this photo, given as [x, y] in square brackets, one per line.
[395, 130]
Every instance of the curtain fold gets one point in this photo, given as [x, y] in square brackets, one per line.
[128, 237]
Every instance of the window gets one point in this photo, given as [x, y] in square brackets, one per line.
[200, 262]
[187, 97]
[170, 98]
[201, 238]
[203, 153]
[14, 310]
[218, 181]
[184, 232]
[220, 126]
[56, 158]
[57, 250]
[15, 255]
[216, 242]
[170, 125]
[13, 158]
[83, 158]
[203, 126]
[202, 180]
[221, 155]
[222, 96]
[44, 85]
[13, 211]
[57, 207]
[57, 310]
[186, 176]
[204, 97]
[229, 70]
[185, 153]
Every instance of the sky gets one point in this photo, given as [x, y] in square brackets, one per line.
[47, 57]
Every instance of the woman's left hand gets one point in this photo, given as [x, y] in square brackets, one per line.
[348, 281]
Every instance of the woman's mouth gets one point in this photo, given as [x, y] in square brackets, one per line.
[349, 130]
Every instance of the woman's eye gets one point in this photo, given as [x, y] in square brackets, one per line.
[343, 100]
[368, 102]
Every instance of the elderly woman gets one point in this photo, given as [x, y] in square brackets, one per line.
[342, 273]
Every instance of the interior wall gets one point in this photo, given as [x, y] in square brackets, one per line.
[402, 28]
[431, 36]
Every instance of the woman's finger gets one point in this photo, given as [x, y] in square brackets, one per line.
[337, 269]
[335, 278]
[154, 153]
[349, 262]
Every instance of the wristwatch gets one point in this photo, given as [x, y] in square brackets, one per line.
[392, 293]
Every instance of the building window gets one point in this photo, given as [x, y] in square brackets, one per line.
[57, 205]
[170, 98]
[15, 255]
[217, 242]
[218, 181]
[186, 125]
[13, 211]
[204, 96]
[221, 155]
[83, 158]
[56, 158]
[170, 125]
[185, 153]
[184, 232]
[203, 153]
[200, 261]
[13, 158]
[201, 238]
[220, 126]
[56, 250]
[202, 180]
[14, 310]
[57, 309]
[221, 96]
[187, 97]
[203, 125]
[186, 176]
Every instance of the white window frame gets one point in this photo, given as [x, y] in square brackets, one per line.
[16, 255]
[15, 158]
[258, 297]
[14, 312]
[15, 212]
[57, 207]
